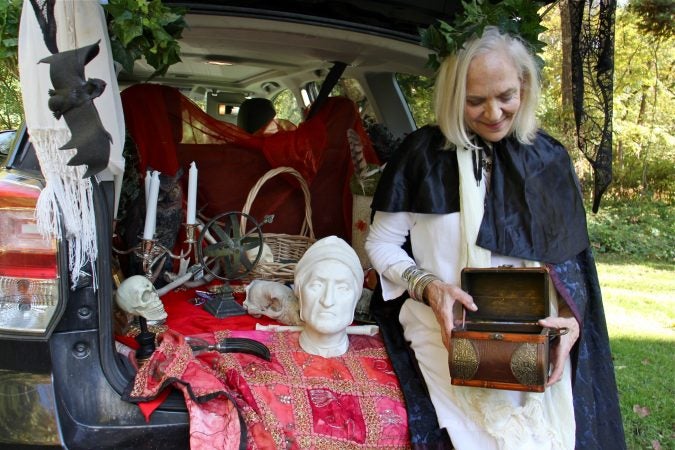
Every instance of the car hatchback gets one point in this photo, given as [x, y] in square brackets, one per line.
[62, 378]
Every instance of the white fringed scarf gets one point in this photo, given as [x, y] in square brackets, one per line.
[65, 206]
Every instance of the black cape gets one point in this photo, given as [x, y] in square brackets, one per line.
[533, 191]
[533, 210]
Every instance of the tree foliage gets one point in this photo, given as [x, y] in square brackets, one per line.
[142, 28]
[644, 104]
[10, 97]
[418, 91]
[655, 16]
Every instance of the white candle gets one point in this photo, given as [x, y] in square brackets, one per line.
[151, 210]
[192, 195]
[148, 176]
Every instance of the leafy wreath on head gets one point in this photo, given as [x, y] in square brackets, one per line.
[519, 18]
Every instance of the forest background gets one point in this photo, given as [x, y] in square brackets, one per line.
[633, 233]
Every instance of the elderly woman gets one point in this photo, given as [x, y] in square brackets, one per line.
[328, 284]
[484, 188]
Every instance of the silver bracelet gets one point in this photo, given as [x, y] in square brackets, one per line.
[418, 279]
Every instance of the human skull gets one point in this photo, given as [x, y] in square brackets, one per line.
[274, 300]
[137, 296]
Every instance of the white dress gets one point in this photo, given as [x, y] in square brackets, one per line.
[475, 418]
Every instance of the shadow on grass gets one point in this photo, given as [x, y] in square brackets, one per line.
[644, 373]
[613, 259]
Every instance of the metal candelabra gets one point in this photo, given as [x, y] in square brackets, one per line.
[150, 252]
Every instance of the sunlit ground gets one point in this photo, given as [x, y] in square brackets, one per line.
[639, 302]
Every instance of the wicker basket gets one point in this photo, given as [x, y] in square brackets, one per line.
[287, 249]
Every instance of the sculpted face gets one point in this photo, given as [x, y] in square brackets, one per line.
[493, 93]
[328, 284]
[328, 297]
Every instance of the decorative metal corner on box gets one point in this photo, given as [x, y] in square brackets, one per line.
[501, 346]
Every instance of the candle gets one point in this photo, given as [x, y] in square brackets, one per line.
[192, 195]
[148, 176]
[151, 210]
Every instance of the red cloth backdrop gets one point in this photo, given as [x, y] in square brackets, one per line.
[170, 131]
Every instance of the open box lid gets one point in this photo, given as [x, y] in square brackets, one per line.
[507, 294]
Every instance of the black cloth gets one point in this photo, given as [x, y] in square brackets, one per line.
[534, 194]
[533, 190]
[420, 176]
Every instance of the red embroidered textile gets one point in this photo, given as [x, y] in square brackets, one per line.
[309, 402]
[295, 401]
[170, 132]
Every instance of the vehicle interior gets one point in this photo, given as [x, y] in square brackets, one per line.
[193, 112]
[222, 64]
[286, 63]
[332, 84]
[322, 80]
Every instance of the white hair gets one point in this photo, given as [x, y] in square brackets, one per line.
[450, 88]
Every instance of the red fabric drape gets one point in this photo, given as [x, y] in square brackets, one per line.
[170, 131]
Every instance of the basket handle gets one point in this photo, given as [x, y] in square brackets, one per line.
[307, 229]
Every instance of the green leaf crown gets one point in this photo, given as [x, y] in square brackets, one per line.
[519, 18]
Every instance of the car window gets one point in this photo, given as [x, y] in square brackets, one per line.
[6, 139]
[417, 91]
[286, 106]
[351, 88]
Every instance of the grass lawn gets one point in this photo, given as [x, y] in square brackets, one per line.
[639, 300]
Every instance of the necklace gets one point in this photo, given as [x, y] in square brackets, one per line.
[482, 162]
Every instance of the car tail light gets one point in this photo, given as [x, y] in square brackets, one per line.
[29, 272]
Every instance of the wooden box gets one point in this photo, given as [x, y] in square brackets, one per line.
[501, 345]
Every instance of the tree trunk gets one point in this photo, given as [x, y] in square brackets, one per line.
[566, 87]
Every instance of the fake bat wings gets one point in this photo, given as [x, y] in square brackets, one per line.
[72, 98]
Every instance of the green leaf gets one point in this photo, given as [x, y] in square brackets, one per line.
[149, 29]
[516, 17]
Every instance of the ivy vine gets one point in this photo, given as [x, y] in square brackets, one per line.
[145, 28]
[516, 17]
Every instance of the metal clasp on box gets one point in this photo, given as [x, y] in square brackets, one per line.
[554, 333]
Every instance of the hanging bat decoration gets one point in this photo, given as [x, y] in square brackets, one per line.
[73, 99]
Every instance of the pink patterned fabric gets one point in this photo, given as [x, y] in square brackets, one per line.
[294, 401]
[214, 423]
[309, 402]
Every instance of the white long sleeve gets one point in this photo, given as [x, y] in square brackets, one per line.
[383, 245]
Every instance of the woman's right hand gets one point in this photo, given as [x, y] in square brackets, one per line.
[442, 297]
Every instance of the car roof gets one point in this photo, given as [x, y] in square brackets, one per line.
[251, 55]
[264, 46]
[389, 16]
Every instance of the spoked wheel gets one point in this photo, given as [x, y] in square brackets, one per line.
[227, 247]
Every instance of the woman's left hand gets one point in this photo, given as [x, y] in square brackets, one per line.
[562, 348]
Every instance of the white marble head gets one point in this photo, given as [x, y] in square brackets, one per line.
[137, 296]
[328, 284]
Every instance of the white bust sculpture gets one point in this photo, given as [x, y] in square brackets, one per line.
[137, 296]
[328, 284]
